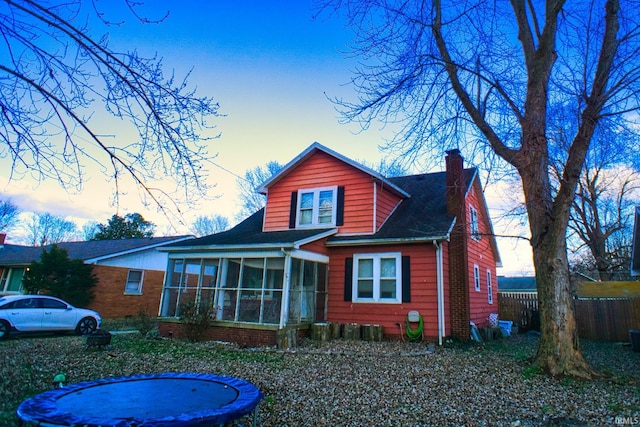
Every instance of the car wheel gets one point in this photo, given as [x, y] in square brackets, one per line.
[5, 328]
[86, 326]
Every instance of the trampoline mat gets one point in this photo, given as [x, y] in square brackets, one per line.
[171, 399]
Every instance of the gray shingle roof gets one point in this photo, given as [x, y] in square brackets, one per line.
[421, 216]
[13, 255]
[249, 233]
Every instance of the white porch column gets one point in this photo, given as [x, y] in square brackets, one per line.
[286, 287]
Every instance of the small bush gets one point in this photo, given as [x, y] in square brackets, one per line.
[195, 320]
[145, 323]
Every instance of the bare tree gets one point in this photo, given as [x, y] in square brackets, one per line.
[387, 167]
[53, 76]
[250, 200]
[43, 228]
[601, 218]
[607, 189]
[481, 76]
[9, 215]
[205, 225]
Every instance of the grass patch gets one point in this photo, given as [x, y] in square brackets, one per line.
[185, 349]
[531, 371]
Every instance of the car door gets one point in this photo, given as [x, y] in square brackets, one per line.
[25, 314]
[57, 315]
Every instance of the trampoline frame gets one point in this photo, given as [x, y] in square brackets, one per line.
[42, 408]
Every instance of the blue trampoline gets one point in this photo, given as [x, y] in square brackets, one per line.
[159, 400]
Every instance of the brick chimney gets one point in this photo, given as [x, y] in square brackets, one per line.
[458, 250]
[2, 237]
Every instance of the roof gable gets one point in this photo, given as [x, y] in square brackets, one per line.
[310, 151]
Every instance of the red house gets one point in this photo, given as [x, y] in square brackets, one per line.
[338, 242]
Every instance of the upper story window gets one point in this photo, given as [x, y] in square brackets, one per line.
[474, 228]
[317, 207]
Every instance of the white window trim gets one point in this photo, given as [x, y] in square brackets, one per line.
[376, 277]
[476, 277]
[316, 207]
[489, 287]
[474, 225]
[139, 291]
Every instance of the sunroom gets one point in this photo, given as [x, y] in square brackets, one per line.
[280, 288]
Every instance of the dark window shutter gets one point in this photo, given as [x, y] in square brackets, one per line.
[348, 279]
[406, 279]
[340, 207]
[293, 209]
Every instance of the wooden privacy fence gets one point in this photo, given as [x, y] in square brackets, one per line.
[519, 307]
[607, 319]
[602, 319]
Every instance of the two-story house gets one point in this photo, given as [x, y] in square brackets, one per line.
[338, 242]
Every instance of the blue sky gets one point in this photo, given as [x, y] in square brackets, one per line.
[271, 67]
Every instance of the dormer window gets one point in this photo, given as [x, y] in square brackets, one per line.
[317, 207]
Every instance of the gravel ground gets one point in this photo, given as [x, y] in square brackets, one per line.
[347, 383]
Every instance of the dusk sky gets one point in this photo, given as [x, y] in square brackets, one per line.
[271, 67]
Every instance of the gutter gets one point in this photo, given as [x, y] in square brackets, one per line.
[440, 288]
[387, 241]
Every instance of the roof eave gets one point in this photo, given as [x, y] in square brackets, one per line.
[387, 241]
[134, 250]
[295, 244]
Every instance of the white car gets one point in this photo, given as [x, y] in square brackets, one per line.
[41, 313]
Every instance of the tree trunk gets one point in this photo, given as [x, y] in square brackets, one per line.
[559, 349]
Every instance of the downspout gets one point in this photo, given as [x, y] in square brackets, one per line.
[440, 289]
[286, 286]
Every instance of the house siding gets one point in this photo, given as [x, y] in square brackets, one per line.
[111, 301]
[323, 170]
[423, 291]
[481, 254]
[318, 247]
[386, 203]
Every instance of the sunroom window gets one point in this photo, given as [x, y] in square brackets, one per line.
[246, 289]
[377, 277]
[317, 207]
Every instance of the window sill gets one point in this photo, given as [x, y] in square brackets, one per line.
[376, 302]
[133, 293]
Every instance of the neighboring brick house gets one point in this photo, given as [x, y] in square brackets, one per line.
[130, 272]
[337, 242]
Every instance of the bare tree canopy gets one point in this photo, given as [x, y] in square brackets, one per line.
[57, 83]
[9, 214]
[211, 224]
[250, 200]
[482, 76]
[43, 228]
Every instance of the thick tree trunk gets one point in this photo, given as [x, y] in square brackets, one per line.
[559, 348]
